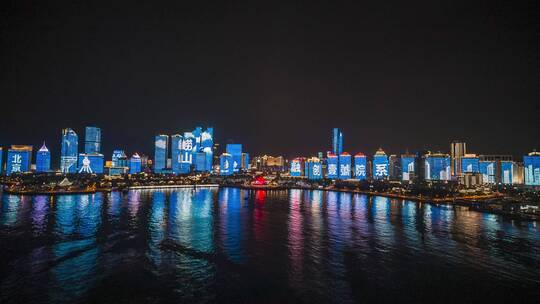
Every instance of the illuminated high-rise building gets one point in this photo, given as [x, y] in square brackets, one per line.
[207, 144]
[488, 170]
[332, 166]
[91, 163]
[19, 159]
[245, 161]
[458, 149]
[297, 167]
[360, 166]
[394, 167]
[43, 160]
[345, 166]
[92, 140]
[235, 150]
[337, 141]
[314, 168]
[225, 164]
[408, 167]
[1, 160]
[531, 165]
[135, 164]
[507, 172]
[119, 159]
[437, 167]
[380, 165]
[69, 151]
[470, 163]
[161, 145]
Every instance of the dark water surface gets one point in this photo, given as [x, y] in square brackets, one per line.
[234, 246]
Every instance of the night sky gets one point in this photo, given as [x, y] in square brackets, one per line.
[275, 78]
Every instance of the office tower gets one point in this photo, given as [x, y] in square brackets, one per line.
[420, 165]
[160, 153]
[245, 161]
[394, 167]
[487, 169]
[190, 146]
[92, 140]
[297, 167]
[497, 159]
[380, 165]
[135, 164]
[43, 160]
[332, 166]
[235, 150]
[470, 163]
[1, 160]
[531, 165]
[437, 167]
[518, 175]
[507, 172]
[176, 154]
[69, 151]
[360, 166]
[458, 149]
[207, 144]
[91, 163]
[200, 161]
[345, 165]
[314, 168]
[337, 141]
[119, 158]
[225, 164]
[19, 159]
[407, 167]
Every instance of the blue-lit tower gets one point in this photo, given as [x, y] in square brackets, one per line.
[176, 154]
[407, 167]
[380, 165]
[69, 151]
[470, 163]
[345, 165]
[531, 163]
[92, 140]
[18, 159]
[225, 164]
[332, 166]
[297, 167]
[1, 160]
[43, 160]
[314, 169]
[161, 145]
[437, 167]
[91, 163]
[207, 144]
[337, 141]
[507, 172]
[235, 150]
[135, 164]
[487, 169]
[360, 166]
[119, 158]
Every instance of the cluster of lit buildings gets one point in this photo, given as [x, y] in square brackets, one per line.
[72, 160]
[467, 169]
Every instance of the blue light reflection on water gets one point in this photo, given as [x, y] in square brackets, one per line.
[234, 245]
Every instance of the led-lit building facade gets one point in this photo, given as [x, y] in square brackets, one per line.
[92, 140]
[360, 166]
[119, 159]
[380, 165]
[91, 163]
[43, 160]
[337, 141]
[19, 159]
[470, 163]
[407, 167]
[161, 146]
[458, 149]
[332, 166]
[487, 169]
[200, 161]
[69, 151]
[176, 154]
[297, 167]
[531, 165]
[235, 150]
[345, 166]
[225, 164]
[1, 160]
[135, 164]
[314, 169]
[207, 144]
[437, 167]
[507, 172]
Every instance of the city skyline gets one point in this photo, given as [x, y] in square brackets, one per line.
[407, 79]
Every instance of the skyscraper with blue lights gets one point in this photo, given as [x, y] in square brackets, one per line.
[407, 167]
[161, 146]
[360, 166]
[135, 164]
[43, 160]
[235, 150]
[437, 167]
[92, 140]
[531, 163]
[91, 163]
[332, 166]
[345, 165]
[225, 164]
[69, 151]
[18, 159]
[337, 141]
[380, 165]
[176, 155]
[487, 169]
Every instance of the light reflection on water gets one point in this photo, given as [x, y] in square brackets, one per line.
[233, 245]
